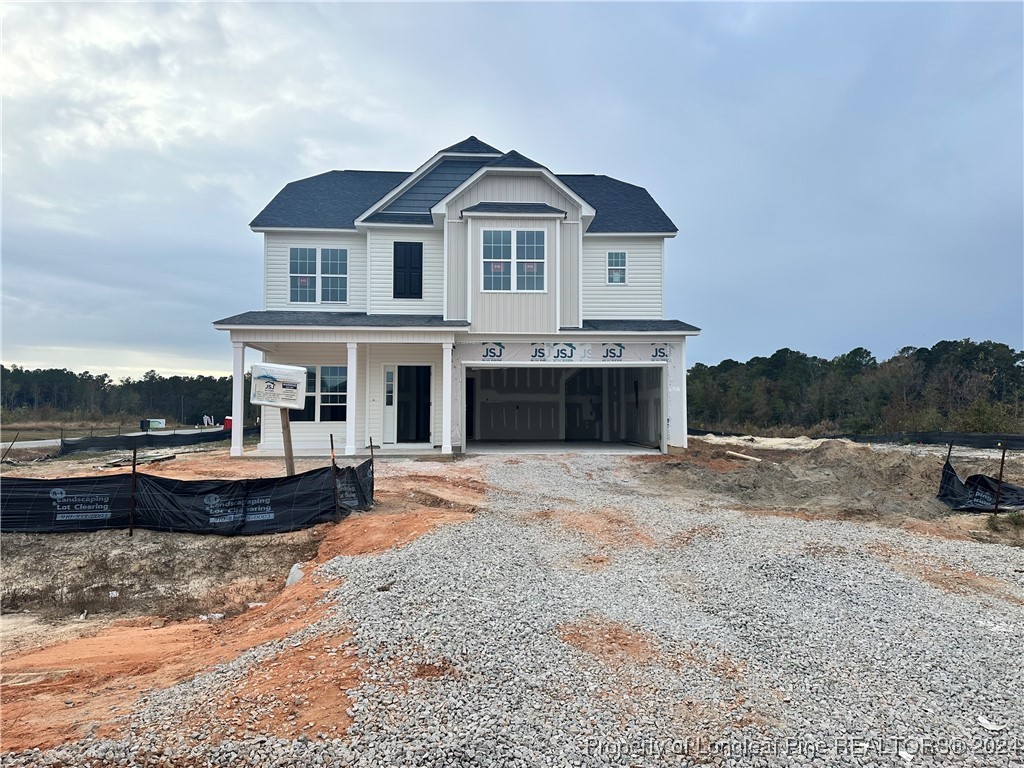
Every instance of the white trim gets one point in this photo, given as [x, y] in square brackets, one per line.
[469, 271]
[441, 207]
[558, 274]
[625, 269]
[306, 230]
[522, 215]
[383, 225]
[662, 278]
[380, 328]
[351, 385]
[446, 397]
[319, 275]
[444, 268]
[513, 261]
[631, 234]
[237, 396]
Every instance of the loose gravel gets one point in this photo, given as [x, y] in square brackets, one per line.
[678, 634]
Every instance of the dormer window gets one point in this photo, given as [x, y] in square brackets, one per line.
[498, 262]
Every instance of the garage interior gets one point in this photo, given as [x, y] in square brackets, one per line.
[563, 404]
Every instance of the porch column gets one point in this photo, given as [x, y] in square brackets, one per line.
[446, 398]
[237, 397]
[682, 379]
[351, 377]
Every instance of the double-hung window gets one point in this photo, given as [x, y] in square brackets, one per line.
[616, 267]
[326, 394]
[309, 266]
[526, 260]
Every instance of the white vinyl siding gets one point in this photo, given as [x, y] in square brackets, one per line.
[381, 247]
[641, 297]
[276, 254]
[569, 277]
[309, 435]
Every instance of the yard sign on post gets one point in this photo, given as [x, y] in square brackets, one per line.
[284, 387]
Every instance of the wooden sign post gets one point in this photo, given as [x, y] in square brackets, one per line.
[283, 387]
[286, 435]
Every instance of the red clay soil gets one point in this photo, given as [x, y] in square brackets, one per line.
[87, 685]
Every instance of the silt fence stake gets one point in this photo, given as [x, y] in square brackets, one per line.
[999, 484]
[131, 509]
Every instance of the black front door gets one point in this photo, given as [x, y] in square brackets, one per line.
[413, 404]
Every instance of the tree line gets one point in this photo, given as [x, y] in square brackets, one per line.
[962, 386]
[57, 394]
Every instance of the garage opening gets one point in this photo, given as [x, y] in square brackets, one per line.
[617, 405]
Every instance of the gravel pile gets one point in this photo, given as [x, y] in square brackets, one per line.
[580, 621]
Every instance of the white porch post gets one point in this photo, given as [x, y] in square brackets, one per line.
[350, 411]
[682, 376]
[446, 398]
[237, 397]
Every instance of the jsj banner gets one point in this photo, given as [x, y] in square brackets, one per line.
[229, 508]
[548, 353]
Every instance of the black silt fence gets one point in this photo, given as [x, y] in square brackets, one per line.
[147, 440]
[978, 492]
[227, 508]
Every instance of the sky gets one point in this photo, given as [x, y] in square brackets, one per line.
[842, 175]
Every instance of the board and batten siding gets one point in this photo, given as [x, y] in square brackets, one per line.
[313, 435]
[642, 297]
[456, 294]
[380, 249]
[513, 311]
[276, 246]
[381, 355]
[569, 279]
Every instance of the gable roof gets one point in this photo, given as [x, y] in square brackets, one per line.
[620, 207]
[331, 200]
[472, 145]
[513, 159]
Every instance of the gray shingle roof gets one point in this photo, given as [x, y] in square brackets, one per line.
[331, 200]
[514, 160]
[512, 208]
[472, 145]
[435, 184]
[620, 207]
[636, 326]
[284, 317]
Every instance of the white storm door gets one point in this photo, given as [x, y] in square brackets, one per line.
[390, 404]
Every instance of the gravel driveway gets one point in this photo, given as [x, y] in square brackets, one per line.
[589, 616]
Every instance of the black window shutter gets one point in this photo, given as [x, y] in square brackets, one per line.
[408, 271]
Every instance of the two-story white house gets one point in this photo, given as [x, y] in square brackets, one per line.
[481, 297]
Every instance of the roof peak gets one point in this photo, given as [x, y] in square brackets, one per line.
[513, 159]
[472, 146]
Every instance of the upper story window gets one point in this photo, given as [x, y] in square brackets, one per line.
[498, 260]
[326, 394]
[306, 266]
[407, 279]
[616, 268]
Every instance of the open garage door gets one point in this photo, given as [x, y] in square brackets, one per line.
[538, 404]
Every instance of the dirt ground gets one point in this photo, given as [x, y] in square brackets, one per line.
[63, 679]
[185, 603]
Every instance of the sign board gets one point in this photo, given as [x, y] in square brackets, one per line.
[279, 386]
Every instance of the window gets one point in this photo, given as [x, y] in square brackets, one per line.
[529, 260]
[326, 394]
[616, 268]
[303, 275]
[334, 274]
[408, 271]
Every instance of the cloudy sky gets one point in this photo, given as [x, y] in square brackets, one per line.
[841, 175]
